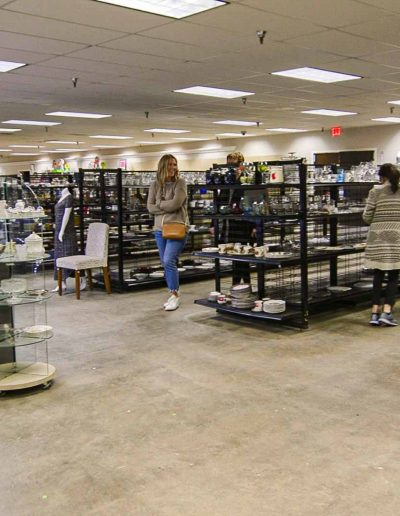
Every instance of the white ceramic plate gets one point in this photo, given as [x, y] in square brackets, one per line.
[39, 331]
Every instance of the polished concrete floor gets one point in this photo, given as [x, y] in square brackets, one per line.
[189, 414]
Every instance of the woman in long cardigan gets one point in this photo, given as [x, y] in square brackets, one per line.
[382, 254]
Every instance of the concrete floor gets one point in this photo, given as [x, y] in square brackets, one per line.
[188, 414]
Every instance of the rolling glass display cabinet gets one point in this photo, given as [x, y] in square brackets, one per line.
[24, 332]
[316, 238]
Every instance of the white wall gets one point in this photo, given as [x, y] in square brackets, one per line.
[384, 139]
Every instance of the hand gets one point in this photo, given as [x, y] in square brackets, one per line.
[60, 237]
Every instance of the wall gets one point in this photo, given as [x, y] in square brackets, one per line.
[384, 139]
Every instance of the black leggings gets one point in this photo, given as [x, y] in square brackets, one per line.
[391, 287]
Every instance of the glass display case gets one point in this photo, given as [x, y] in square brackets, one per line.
[24, 332]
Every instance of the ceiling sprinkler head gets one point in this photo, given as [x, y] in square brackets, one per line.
[261, 35]
[74, 81]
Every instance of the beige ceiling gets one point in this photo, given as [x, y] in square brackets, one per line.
[129, 62]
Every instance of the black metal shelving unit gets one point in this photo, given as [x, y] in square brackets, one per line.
[109, 195]
[302, 278]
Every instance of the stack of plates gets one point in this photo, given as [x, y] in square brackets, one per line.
[210, 250]
[242, 296]
[274, 306]
[337, 289]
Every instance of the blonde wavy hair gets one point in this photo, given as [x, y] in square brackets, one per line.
[162, 169]
[235, 157]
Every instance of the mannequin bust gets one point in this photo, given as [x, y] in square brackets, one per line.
[65, 243]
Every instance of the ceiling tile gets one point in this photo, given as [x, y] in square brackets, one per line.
[41, 26]
[36, 44]
[384, 29]
[341, 43]
[327, 13]
[87, 12]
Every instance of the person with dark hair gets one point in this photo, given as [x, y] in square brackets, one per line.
[382, 253]
[167, 201]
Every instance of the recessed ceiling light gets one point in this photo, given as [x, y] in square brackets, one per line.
[234, 135]
[7, 66]
[328, 112]
[170, 8]
[237, 122]
[286, 130]
[316, 75]
[214, 92]
[110, 137]
[27, 146]
[72, 114]
[172, 131]
[393, 119]
[30, 122]
[63, 142]
[9, 131]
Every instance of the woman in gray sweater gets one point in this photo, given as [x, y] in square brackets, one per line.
[167, 201]
[382, 253]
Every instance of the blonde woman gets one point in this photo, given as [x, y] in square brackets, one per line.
[167, 201]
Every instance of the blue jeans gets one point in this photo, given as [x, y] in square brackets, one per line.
[169, 251]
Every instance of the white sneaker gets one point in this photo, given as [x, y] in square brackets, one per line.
[173, 304]
[171, 297]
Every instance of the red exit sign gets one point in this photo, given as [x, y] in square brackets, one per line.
[336, 131]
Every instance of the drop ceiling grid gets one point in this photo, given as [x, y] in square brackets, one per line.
[126, 73]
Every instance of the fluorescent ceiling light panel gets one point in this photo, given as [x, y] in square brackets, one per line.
[172, 131]
[7, 66]
[328, 112]
[64, 142]
[27, 146]
[72, 114]
[234, 135]
[171, 8]
[316, 75]
[286, 130]
[397, 102]
[237, 122]
[192, 139]
[24, 154]
[9, 131]
[109, 137]
[214, 92]
[108, 146]
[30, 122]
[5, 150]
[152, 143]
[393, 119]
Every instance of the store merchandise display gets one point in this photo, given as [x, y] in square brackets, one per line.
[310, 242]
[24, 333]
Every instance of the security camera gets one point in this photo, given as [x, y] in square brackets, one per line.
[243, 133]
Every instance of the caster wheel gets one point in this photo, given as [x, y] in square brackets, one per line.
[47, 385]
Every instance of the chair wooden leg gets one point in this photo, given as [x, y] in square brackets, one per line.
[89, 279]
[78, 284]
[59, 281]
[107, 282]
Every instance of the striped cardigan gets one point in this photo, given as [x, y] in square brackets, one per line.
[382, 213]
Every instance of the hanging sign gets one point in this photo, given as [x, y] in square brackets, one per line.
[336, 131]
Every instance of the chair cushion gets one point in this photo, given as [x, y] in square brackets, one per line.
[80, 261]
